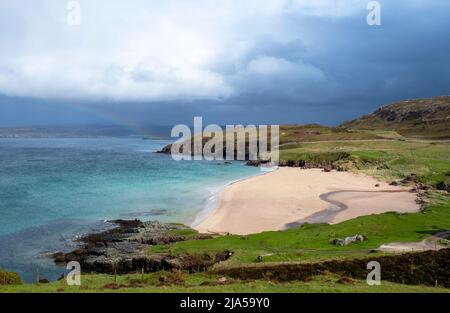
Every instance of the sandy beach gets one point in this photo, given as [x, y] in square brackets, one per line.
[288, 197]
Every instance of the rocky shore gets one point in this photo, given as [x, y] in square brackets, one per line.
[125, 249]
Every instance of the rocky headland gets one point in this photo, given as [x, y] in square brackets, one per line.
[125, 249]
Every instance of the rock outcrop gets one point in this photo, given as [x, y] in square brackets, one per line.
[423, 118]
[443, 185]
[125, 249]
[348, 240]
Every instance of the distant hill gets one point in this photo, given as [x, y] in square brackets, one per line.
[290, 136]
[88, 131]
[421, 118]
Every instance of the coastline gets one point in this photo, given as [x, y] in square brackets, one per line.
[288, 197]
[214, 200]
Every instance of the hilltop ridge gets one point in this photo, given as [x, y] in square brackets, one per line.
[421, 118]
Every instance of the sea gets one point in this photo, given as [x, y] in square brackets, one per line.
[55, 190]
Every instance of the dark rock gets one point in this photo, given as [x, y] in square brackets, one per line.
[420, 201]
[166, 149]
[59, 257]
[44, 281]
[292, 163]
[410, 179]
[202, 237]
[348, 240]
[124, 249]
[255, 163]
[424, 187]
[443, 186]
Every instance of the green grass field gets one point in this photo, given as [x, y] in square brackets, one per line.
[385, 159]
[184, 283]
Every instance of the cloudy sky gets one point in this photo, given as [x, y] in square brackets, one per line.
[243, 61]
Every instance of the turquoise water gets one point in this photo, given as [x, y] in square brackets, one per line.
[52, 190]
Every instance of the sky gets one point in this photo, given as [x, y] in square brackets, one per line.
[236, 61]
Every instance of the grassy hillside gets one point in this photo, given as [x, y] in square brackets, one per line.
[290, 135]
[385, 159]
[421, 118]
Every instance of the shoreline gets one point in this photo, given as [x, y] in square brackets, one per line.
[289, 197]
[214, 200]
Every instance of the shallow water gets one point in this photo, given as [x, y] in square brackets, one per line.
[54, 189]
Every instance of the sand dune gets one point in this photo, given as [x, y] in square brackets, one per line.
[290, 196]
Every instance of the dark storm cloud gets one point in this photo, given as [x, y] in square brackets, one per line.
[278, 64]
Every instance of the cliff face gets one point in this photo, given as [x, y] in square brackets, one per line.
[424, 118]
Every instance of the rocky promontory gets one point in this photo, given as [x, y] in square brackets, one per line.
[125, 249]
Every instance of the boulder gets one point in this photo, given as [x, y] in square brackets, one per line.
[166, 149]
[255, 163]
[410, 179]
[348, 240]
[443, 186]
